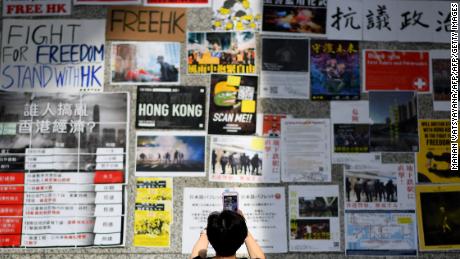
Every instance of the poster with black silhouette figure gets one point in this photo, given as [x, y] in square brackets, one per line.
[285, 69]
[434, 156]
[438, 212]
[394, 118]
[170, 154]
[385, 187]
[335, 70]
[232, 105]
[244, 159]
[181, 107]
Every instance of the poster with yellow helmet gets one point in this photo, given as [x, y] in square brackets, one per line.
[236, 15]
[232, 105]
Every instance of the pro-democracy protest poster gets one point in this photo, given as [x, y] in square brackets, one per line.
[221, 52]
[153, 212]
[383, 187]
[440, 68]
[170, 153]
[238, 15]
[63, 169]
[396, 70]
[15, 8]
[394, 121]
[285, 67]
[232, 105]
[178, 3]
[52, 55]
[434, 155]
[380, 233]
[307, 17]
[244, 159]
[145, 63]
[438, 209]
[181, 107]
[314, 218]
[144, 23]
[335, 73]
[387, 20]
[263, 208]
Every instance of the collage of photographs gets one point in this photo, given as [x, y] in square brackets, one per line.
[319, 126]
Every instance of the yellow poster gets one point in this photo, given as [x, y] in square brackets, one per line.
[153, 214]
[438, 216]
[433, 158]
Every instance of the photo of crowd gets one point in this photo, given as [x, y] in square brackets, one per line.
[366, 189]
[318, 207]
[308, 229]
[208, 50]
[235, 163]
[294, 19]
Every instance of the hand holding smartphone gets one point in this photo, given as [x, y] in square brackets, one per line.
[230, 201]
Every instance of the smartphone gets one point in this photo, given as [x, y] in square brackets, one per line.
[230, 200]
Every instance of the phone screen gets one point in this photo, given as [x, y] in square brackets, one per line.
[230, 201]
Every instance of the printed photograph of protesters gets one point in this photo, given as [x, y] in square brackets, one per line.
[168, 153]
[145, 63]
[370, 189]
[308, 229]
[221, 52]
[318, 207]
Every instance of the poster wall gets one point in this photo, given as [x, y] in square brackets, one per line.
[59, 56]
[263, 209]
[63, 169]
[314, 218]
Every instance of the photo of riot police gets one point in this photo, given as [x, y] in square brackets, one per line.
[370, 189]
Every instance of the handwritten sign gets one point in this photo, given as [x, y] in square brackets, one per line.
[15, 8]
[52, 55]
[146, 23]
[387, 20]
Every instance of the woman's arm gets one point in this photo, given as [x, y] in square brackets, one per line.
[201, 246]
[254, 249]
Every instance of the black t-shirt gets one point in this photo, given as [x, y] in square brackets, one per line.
[198, 257]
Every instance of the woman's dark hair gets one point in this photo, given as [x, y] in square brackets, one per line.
[226, 232]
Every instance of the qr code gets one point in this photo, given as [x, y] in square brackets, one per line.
[274, 90]
[245, 93]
